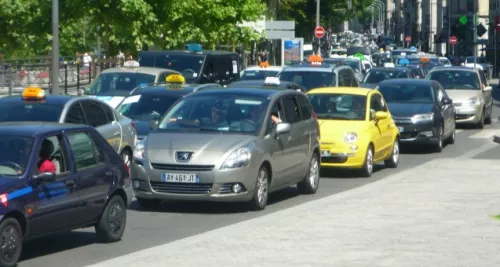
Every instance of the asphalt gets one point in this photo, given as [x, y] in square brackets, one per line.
[178, 221]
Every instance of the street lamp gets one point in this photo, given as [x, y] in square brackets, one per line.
[55, 48]
[381, 8]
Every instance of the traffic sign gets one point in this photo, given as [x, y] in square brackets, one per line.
[408, 39]
[453, 40]
[319, 32]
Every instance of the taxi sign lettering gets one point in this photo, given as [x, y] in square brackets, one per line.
[272, 81]
[33, 93]
[175, 78]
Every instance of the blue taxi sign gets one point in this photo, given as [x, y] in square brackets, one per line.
[403, 61]
[194, 48]
[413, 48]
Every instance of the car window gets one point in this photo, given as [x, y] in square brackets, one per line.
[56, 155]
[147, 106]
[75, 114]
[376, 76]
[85, 150]
[94, 113]
[483, 78]
[305, 107]
[249, 75]
[342, 80]
[291, 107]
[456, 79]
[108, 83]
[189, 65]
[338, 106]
[406, 93]
[108, 111]
[376, 103]
[309, 79]
[15, 156]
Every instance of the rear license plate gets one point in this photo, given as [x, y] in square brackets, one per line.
[180, 178]
[401, 129]
[325, 153]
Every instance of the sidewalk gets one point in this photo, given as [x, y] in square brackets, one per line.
[436, 214]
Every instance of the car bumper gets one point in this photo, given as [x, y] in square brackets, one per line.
[423, 134]
[214, 185]
[342, 156]
[465, 115]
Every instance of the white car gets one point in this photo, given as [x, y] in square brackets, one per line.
[445, 61]
[259, 73]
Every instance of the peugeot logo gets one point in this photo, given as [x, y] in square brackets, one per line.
[183, 156]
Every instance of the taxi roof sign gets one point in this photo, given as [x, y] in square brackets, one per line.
[175, 78]
[360, 56]
[33, 93]
[404, 61]
[194, 48]
[315, 59]
[274, 81]
[425, 60]
[264, 64]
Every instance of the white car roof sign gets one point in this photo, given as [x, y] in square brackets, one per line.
[272, 81]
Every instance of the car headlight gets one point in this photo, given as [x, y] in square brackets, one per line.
[473, 101]
[422, 117]
[350, 137]
[240, 158]
[139, 149]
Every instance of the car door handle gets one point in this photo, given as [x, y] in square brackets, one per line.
[109, 173]
[70, 183]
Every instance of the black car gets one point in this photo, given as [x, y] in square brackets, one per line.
[422, 111]
[58, 177]
[377, 75]
[146, 105]
[262, 83]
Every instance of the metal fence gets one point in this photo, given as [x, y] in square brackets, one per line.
[16, 76]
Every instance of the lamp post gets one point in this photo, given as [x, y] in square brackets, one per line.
[54, 89]
[383, 7]
[380, 6]
[317, 12]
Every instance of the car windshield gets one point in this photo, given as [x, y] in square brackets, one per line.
[376, 76]
[444, 61]
[417, 71]
[27, 111]
[146, 107]
[224, 113]
[407, 93]
[480, 60]
[109, 83]
[353, 64]
[339, 106]
[15, 154]
[189, 65]
[456, 79]
[309, 79]
[249, 75]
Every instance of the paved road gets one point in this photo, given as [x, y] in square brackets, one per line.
[146, 229]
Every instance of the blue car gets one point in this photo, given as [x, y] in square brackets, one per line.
[58, 177]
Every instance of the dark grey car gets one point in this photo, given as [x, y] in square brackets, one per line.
[232, 145]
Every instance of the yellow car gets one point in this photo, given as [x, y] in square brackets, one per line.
[356, 128]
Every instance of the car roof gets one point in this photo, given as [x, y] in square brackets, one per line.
[261, 83]
[406, 81]
[310, 67]
[58, 100]
[343, 90]
[455, 68]
[32, 129]
[186, 52]
[142, 70]
[273, 68]
[157, 90]
[244, 90]
[400, 68]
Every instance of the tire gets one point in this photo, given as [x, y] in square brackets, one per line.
[488, 119]
[367, 169]
[480, 123]
[260, 192]
[148, 203]
[126, 157]
[11, 231]
[309, 185]
[451, 139]
[438, 147]
[393, 160]
[113, 221]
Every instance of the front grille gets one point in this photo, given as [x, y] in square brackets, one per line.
[181, 188]
[333, 159]
[225, 189]
[462, 116]
[182, 167]
[408, 135]
[142, 186]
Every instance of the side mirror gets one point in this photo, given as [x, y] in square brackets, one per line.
[283, 128]
[488, 89]
[45, 177]
[153, 124]
[80, 91]
[446, 101]
[380, 115]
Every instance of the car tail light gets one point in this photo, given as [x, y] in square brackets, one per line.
[127, 168]
[314, 115]
[133, 124]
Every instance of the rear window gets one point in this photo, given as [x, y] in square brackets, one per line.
[26, 111]
[456, 79]
[376, 76]
[109, 83]
[248, 75]
[309, 79]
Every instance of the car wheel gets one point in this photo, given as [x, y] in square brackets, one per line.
[488, 119]
[311, 181]
[451, 139]
[12, 242]
[260, 193]
[113, 220]
[438, 147]
[148, 203]
[367, 169]
[393, 160]
[480, 123]
[126, 157]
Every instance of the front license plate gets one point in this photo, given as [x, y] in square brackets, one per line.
[180, 178]
[401, 129]
[325, 153]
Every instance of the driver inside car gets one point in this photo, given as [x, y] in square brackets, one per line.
[44, 163]
[23, 150]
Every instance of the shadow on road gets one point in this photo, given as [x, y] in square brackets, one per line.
[214, 207]
[346, 173]
[57, 243]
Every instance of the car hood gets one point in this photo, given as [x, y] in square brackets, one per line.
[335, 129]
[409, 109]
[113, 101]
[459, 96]
[206, 147]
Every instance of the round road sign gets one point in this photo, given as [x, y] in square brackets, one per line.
[453, 40]
[408, 39]
[319, 32]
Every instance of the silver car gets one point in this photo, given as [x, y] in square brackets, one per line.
[232, 145]
[470, 92]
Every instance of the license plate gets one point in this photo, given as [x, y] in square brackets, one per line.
[180, 178]
[401, 129]
[325, 153]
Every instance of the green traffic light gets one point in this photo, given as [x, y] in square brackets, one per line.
[463, 20]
